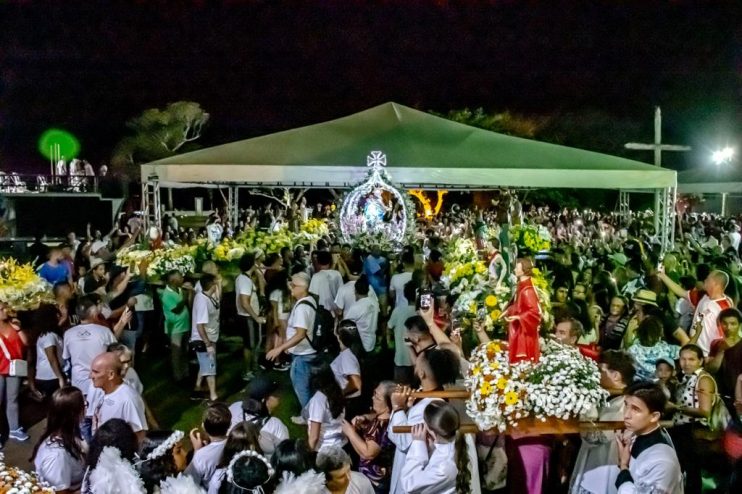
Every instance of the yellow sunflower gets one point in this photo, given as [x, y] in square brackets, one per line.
[511, 398]
[486, 389]
[501, 383]
[495, 314]
[491, 301]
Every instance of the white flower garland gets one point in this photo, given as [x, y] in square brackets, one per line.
[252, 454]
[165, 446]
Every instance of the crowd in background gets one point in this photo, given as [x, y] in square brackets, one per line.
[348, 327]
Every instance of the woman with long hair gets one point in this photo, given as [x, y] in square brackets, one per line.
[162, 456]
[280, 300]
[245, 436]
[347, 366]
[325, 410]
[48, 375]
[293, 463]
[59, 455]
[13, 343]
[368, 436]
[447, 467]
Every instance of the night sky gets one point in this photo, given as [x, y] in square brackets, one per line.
[263, 66]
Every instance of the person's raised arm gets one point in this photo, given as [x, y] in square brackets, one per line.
[671, 285]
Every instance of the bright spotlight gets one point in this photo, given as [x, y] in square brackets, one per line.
[723, 155]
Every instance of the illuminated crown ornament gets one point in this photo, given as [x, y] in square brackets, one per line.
[375, 209]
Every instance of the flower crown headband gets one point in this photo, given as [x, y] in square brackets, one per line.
[252, 454]
[164, 447]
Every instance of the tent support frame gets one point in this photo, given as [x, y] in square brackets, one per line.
[624, 211]
[665, 216]
[151, 210]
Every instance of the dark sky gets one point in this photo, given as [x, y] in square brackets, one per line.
[263, 66]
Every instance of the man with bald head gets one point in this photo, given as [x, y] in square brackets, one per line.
[111, 398]
[704, 328]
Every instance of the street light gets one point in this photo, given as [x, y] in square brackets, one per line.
[722, 156]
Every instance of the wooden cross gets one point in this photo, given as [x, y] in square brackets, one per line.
[657, 145]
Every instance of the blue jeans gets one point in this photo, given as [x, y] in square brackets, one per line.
[301, 370]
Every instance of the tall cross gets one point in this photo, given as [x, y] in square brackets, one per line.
[657, 145]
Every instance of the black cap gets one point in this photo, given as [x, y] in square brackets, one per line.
[259, 389]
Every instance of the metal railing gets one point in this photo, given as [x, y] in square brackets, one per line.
[15, 183]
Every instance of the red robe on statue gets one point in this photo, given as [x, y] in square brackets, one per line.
[523, 332]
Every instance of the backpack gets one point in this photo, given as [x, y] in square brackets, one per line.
[323, 333]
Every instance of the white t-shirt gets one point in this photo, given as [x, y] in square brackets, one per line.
[277, 297]
[325, 284]
[243, 285]
[346, 364]
[205, 311]
[132, 379]
[709, 310]
[82, 343]
[400, 314]
[57, 467]
[203, 464]
[331, 429]
[359, 484]
[272, 432]
[123, 403]
[397, 284]
[302, 316]
[98, 245]
[219, 476]
[365, 313]
[44, 370]
[347, 296]
[145, 302]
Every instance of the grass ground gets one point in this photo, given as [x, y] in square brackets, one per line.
[172, 406]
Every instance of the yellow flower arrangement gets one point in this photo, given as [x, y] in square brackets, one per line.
[502, 383]
[490, 301]
[495, 314]
[21, 288]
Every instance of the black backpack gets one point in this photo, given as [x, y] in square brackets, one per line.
[322, 337]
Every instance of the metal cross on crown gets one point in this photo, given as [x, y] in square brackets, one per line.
[376, 160]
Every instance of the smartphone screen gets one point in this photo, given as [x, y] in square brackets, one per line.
[426, 300]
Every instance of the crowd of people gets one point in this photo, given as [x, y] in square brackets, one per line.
[358, 344]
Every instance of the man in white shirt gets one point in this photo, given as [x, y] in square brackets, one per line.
[119, 400]
[87, 340]
[365, 313]
[299, 326]
[326, 282]
[399, 280]
[403, 365]
[207, 451]
[248, 308]
[335, 464]
[346, 297]
[205, 329]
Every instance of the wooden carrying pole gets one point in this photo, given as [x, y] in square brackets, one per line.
[526, 426]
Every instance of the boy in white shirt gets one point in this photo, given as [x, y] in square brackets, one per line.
[208, 451]
[365, 313]
[326, 282]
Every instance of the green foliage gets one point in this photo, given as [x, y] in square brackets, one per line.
[503, 123]
[157, 134]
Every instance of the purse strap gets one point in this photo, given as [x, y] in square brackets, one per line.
[4, 348]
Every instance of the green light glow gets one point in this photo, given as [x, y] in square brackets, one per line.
[69, 146]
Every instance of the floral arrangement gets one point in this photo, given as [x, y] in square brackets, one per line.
[543, 291]
[460, 250]
[228, 250]
[21, 288]
[533, 238]
[562, 384]
[314, 228]
[498, 389]
[133, 255]
[165, 260]
[367, 241]
[15, 480]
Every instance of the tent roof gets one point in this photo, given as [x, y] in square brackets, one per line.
[422, 151]
[710, 180]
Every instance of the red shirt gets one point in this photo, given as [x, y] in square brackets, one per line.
[15, 347]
